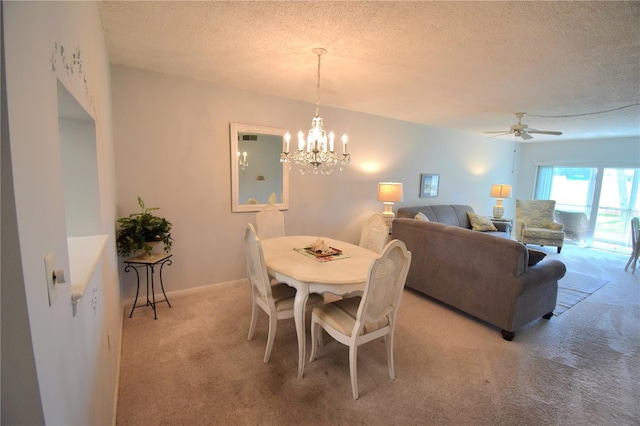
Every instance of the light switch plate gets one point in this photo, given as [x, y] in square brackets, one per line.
[49, 264]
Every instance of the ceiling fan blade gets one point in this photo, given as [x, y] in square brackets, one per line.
[522, 130]
[545, 132]
[525, 136]
[502, 133]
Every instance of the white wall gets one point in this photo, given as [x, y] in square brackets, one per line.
[172, 146]
[75, 370]
[618, 152]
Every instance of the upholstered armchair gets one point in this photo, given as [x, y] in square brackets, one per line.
[535, 223]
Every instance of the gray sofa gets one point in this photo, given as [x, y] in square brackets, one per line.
[479, 274]
[453, 215]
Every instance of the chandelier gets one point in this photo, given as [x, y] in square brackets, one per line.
[315, 153]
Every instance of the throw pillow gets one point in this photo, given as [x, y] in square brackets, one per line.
[480, 223]
[535, 256]
[421, 216]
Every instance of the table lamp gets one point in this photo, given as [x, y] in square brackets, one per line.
[389, 193]
[499, 192]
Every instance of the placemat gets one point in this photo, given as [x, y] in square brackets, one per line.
[301, 250]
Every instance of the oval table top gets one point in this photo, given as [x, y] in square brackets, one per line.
[280, 256]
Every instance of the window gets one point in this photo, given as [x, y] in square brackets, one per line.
[607, 196]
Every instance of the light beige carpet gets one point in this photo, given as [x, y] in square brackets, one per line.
[194, 366]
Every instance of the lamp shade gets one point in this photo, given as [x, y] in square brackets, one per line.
[389, 192]
[500, 191]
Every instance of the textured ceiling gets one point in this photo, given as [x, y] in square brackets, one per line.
[462, 65]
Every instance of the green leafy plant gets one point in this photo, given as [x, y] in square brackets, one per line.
[136, 231]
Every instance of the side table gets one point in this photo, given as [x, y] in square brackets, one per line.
[149, 263]
[504, 220]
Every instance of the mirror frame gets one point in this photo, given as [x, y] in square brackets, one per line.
[234, 130]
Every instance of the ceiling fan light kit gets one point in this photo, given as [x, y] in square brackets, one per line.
[522, 130]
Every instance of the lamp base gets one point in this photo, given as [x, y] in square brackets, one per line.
[498, 210]
[388, 214]
[388, 218]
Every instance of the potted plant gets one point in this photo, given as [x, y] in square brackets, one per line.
[137, 231]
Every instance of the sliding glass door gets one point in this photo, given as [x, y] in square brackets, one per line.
[596, 204]
[618, 204]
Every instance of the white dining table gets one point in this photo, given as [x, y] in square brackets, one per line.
[340, 276]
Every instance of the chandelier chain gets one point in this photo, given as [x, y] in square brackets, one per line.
[318, 89]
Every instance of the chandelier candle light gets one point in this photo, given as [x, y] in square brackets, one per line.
[242, 160]
[499, 192]
[315, 153]
[389, 193]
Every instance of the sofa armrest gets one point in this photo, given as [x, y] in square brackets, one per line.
[541, 274]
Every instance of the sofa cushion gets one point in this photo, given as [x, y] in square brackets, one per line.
[480, 223]
[421, 216]
[535, 256]
[447, 214]
[452, 215]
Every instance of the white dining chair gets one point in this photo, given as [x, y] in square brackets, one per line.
[357, 320]
[270, 222]
[635, 245]
[276, 300]
[375, 233]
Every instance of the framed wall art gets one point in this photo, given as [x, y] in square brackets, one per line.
[429, 185]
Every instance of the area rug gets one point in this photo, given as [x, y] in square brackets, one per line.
[573, 288]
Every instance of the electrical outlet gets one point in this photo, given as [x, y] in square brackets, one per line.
[49, 264]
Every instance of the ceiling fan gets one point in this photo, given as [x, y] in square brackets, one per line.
[522, 130]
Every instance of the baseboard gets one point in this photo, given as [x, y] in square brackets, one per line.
[117, 389]
[129, 302]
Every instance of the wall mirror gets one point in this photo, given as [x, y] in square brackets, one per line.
[257, 175]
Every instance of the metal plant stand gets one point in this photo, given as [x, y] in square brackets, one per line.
[148, 263]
